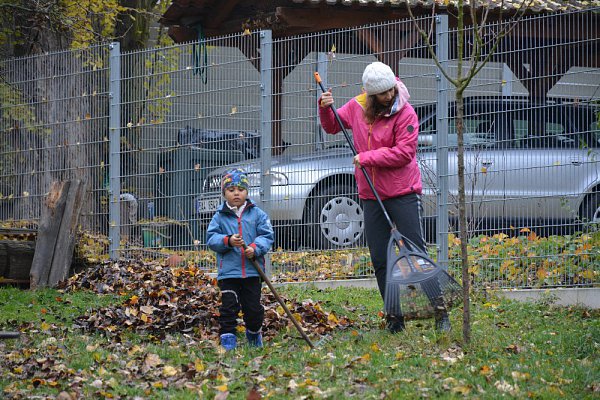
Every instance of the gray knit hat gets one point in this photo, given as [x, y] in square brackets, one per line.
[378, 78]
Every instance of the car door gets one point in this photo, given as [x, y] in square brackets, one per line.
[484, 186]
[547, 167]
[484, 160]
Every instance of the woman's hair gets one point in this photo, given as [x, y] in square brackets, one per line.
[375, 109]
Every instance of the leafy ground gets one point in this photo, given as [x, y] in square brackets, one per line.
[80, 343]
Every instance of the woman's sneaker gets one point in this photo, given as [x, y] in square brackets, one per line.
[228, 341]
[395, 324]
[442, 322]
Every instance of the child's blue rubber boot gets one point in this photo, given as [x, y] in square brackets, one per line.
[254, 339]
[228, 341]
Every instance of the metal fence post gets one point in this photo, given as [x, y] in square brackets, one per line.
[442, 45]
[114, 171]
[266, 122]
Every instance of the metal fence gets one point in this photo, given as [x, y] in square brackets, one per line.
[54, 124]
[152, 130]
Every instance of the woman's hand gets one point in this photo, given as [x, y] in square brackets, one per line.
[326, 99]
[356, 161]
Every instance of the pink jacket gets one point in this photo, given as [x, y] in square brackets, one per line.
[387, 148]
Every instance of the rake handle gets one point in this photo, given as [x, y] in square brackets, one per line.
[349, 140]
[9, 335]
[285, 308]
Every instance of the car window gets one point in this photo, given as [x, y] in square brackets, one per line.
[592, 137]
[588, 124]
[556, 127]
[478, 133]
[540, 134]
[494, 125]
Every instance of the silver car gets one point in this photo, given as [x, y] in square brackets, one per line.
[526, 165]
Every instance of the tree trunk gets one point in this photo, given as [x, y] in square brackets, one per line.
[462, 216]
[65, 139]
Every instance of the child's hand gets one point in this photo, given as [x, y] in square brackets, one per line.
[236, 240]
[249, 252]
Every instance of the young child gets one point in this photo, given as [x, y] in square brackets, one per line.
[237, 221]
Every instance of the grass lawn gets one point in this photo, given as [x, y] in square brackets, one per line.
[517, 350]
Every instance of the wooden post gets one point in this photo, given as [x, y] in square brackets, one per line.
[56, 235]
[49, 227]
[65, 243]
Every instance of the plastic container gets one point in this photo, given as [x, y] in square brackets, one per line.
[155, 235]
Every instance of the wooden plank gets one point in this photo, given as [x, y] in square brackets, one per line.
[13, 281]
[49, 227]
[19, 232]
[65, 243]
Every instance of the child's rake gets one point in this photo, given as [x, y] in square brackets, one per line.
[263, 276]
[415, 286]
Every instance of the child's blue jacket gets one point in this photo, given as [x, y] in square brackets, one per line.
[253, 226]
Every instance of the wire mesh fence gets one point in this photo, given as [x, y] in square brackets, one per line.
[531, 147]
[54, 125]
[154, 130]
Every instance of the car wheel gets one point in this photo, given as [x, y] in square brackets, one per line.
[590, 209]
[335, 218]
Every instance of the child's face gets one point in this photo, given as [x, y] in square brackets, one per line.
[235, 195]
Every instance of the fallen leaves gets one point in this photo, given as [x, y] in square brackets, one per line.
[513, 348]
[505, 387]
[452, 354]
[180, 299]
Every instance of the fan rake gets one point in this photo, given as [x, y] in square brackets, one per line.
[416, 288]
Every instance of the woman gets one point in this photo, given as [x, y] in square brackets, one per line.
[385, 128]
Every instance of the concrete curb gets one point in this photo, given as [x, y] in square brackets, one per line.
[586, 297]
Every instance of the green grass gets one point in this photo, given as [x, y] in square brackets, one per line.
[517, 350]
[20, 306]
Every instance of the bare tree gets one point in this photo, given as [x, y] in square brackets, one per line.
[470, 60]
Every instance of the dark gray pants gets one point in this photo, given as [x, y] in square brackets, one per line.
[405, 212]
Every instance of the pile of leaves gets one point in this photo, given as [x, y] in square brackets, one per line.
[161, 299]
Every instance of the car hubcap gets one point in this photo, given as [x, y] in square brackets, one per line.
[341, 221]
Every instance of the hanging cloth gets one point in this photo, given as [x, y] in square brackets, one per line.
[200, 55]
